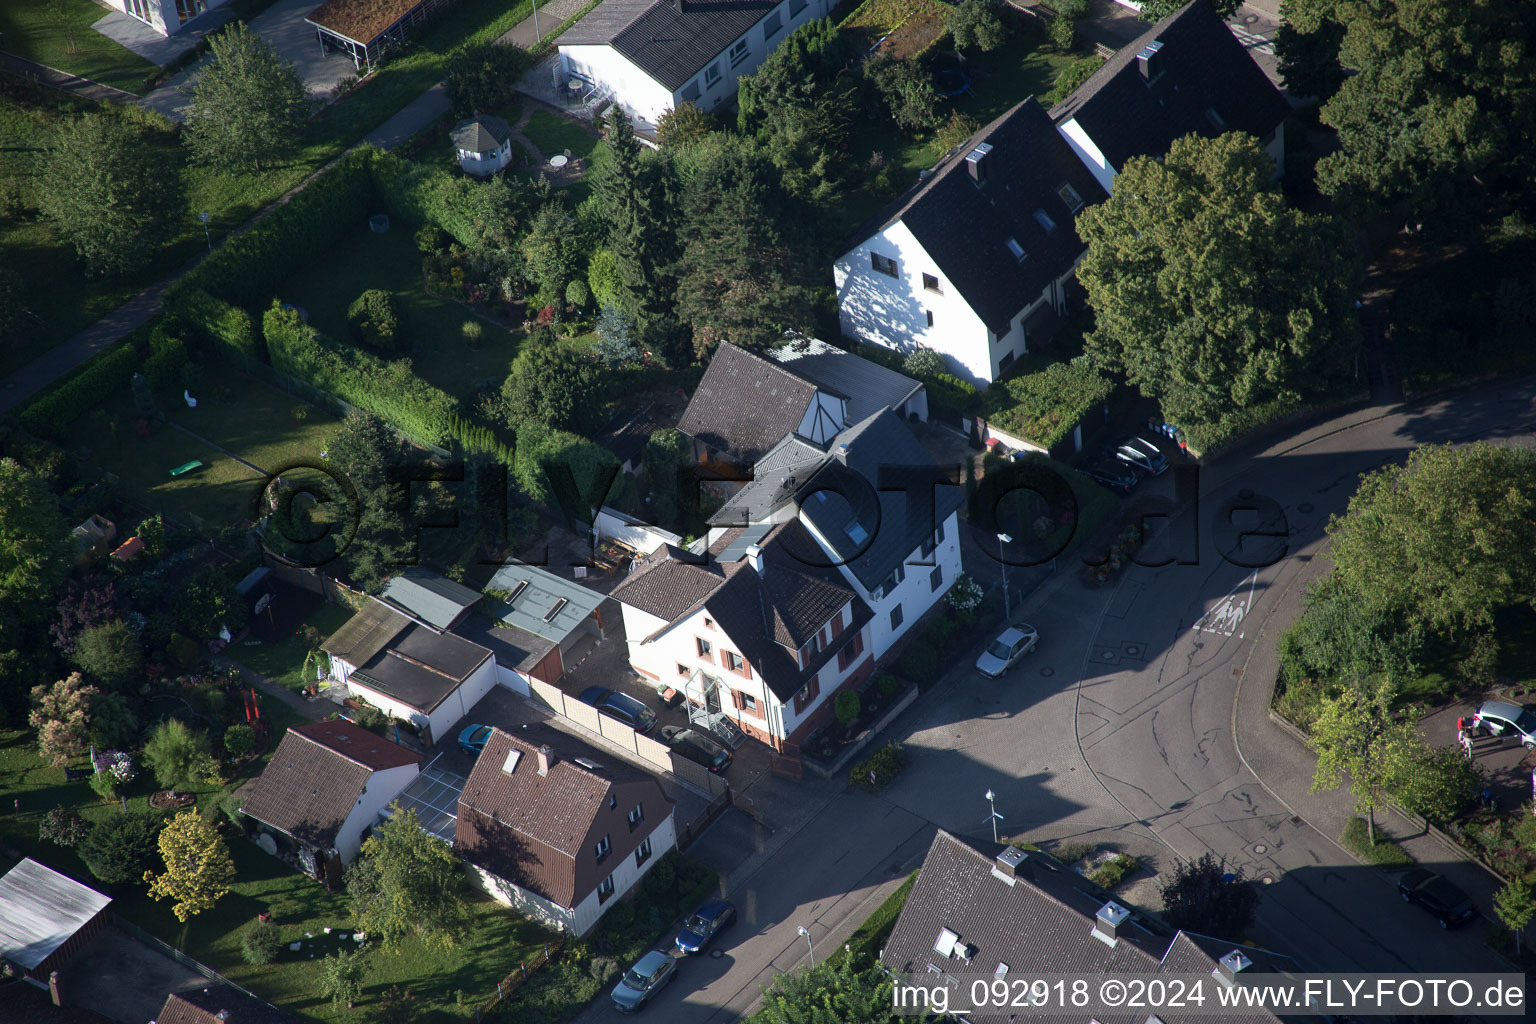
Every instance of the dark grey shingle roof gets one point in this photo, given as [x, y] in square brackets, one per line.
[421, 667]
[671, 45]
[890, 479]
[965, 227]
[1205, 68]
[868, 387]
[480, 134]
[745, 404]
[433, 598]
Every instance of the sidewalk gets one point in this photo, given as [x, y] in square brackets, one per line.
[63, 80]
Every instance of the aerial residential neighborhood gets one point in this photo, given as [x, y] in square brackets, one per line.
[777, 511]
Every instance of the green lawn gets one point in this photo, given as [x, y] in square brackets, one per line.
[283, 661]
[261, 425]
[65, 40]
[390, 261]
[554, 134]
[498, 942]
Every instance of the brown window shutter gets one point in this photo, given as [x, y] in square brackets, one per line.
[837, 625]
[736, 699]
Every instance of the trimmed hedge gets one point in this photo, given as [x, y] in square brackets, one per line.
[215, 321]
[883, 766]
[375, 321]
[53, 413]
[1044, 407]
[388, 390]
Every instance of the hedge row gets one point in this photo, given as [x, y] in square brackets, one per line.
[1044, 407]
[389, 390]
[478, 439]
[214, 321]
[52, 414]
[246, 269]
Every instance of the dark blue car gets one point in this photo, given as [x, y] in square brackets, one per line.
[620, 707]
[708, 921]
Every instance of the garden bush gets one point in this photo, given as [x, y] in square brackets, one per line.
[1044, 407]
[919, 663]
[56, 411]
[938, 631]
[119, 849]
[260, 943]
[1436, 783]
[1384, 854]
[104, 785]
[889, 685]
[473, 333]
[375, 322]
[846, 706]
[879, 769]
[239, 739]
[219, 324]
[167, 356]
[65, 826]
[1115, 871]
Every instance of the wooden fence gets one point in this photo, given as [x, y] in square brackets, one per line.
[515, 980]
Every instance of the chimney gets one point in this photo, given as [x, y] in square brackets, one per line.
[1011, 864]
[1230, 966]
[1108, 921]
[546, 758]
[679, 5]
[976, 162]
[1150, 60]
[755, 557]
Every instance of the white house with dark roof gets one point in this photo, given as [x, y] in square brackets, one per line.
[166, 17]
[482, 144]
[651, 55]
[1186, 75]
[999, 911]
[975, 261]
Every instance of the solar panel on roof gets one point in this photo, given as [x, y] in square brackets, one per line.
[737, 549]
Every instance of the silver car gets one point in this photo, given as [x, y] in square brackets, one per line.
[1511, 721]
[1004, 652]
[643, 980]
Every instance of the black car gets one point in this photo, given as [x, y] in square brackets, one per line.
[1140, 454]
[620, 707]
[696, 747]
[708, 921]
[1117, 476]
[1436, 894]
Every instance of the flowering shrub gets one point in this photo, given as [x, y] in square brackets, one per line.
[118, 764]
[547, 316]
[965, 595]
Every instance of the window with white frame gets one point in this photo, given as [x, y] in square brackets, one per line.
[636, 817]
[711, 75]
[691, 91]
[602, 849]
[605, 889]
[739, 51]
[643, 852]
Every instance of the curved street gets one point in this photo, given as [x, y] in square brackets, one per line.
[1140, 724]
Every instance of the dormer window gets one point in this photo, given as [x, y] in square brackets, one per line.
[1017, 250]
[1069, 195]
[856, 532]
[1044, 220]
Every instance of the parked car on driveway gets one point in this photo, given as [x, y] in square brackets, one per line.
[696, 747]
[1438, 895]
[705, 923]
[1142, 455]
[1115, 475]
[1004, 652]
[643, 981]
[472, 739]
[1511, 721]
[620, 707]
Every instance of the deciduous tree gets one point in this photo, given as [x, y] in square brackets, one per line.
[342, 976]
[369, 454]
[1157, 10]
[975, 23]
[1436, 782]
[1515, 903]
[110, 653]
[1209, 291]
[484, 76]
[553, 384]
[198, 868]
[1444, 540]
[110, 193]
[248, 105]
[1307, 45]
[408, 882]
[61, 714]
[1356, 734]
[174, 752]
[679, 126]
[1199, 898]
[835, 991]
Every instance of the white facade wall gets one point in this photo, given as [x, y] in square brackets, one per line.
[486, 163]
[512, 679]
[446, 715]
[611, 524]
[828, 679]
[165, 16]
[581, 918]
[625, 876]
[641, 96]
[914, 593]
[382, 788]
[893, 311]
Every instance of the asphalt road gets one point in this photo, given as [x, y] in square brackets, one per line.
[1122, 729]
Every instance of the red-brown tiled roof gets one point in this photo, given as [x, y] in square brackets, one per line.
[203, 1006]
[358, 744]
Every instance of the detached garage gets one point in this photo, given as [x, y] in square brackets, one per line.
[46, 917]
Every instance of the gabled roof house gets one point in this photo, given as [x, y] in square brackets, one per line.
[1187, 74]
[814, 569]
[550, 826]
[1005, 912]
[976, 259]
[409, 669]
[533, 621]
[219, 1004]
[431, 597]
[324, 786]
[650, 55]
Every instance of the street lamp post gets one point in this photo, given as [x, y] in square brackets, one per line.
[803, 930]
[536, 34]
[1002, 556]
[994, 816]
[206, 233]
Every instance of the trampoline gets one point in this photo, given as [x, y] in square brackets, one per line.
[951, 82]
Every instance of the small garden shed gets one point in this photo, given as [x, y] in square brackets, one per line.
[482, 143]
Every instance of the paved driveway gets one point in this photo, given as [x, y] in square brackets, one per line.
[120, 977]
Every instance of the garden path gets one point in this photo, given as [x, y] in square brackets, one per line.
[63, 80]
[313, 710]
